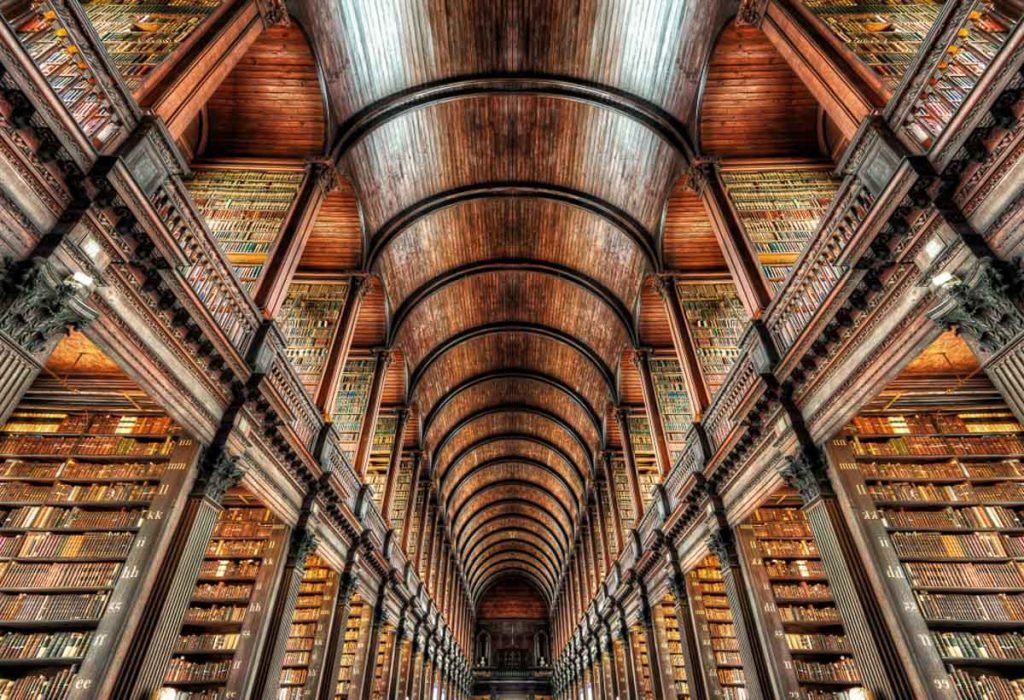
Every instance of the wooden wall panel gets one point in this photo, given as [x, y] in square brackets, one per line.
[688, 241]
[335, 243]
[512, 599]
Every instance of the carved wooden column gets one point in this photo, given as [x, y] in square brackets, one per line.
[414, 487]
[191, 82]
[372, 644]
[642, 360]
[380, 370]
[847, 90]
[424, 515]
[744, 267]
[268, 671]
[613, 503]
[600, 692]
[38, 303]
[395, 660]
[722, 544]
[622, 416]
[394, 464]
[157, 633]
[341, 346]
[632, 689]
[336, 638]
[687, 637]
[653, 650]
[317, 181]
[425, 669]
[682, 341]
[611, 662]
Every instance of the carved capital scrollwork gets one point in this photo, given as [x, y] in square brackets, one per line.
[218, 472]
[697, 176]
[751, 12]
[274, 13]
[808, 475]
[325, 175]
[987, 305]
[303, 543]
[722, 544]
[37, 305]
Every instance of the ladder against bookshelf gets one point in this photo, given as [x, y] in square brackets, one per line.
[353, 648]
[308, 319]
[244, 208]
[351, 401]
[936, 478]
[670, 642]
[779, 208]
[86, 478]
[140, 35]
[226, 618]
[647, 471]
[311, 622]
[716, 633]
[673, 403]
[801, 623]
[715, 318]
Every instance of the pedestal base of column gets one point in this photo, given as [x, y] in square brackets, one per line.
[18, 369]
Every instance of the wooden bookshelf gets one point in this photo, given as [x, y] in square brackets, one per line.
[937, 481]
[354, 643]
[400, 499]
[308, 319]
[620, 665]
[350, 403]
[670, 642]
[647, 471]
[85, 483]
[413, 536]
[713, 623]
[623, 497]
[224, 622]
[716, 319]
[380, 456]
[779, 209]
[311, 622]
[801, 623]
[885, 35]
[140, 35]
[644, 670]
[244, 208]
[380, 666]
[673, 403]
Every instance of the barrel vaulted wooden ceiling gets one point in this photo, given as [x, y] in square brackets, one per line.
[512, 160]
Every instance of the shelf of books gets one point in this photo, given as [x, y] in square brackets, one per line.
[619, 652]
[140, 35]
[801, 623]
[712, 620]
[380, 456]
[88, 478]
[380, 666]
[620, 485]
[609, 521]
[779, 208]
[351, 652]
[638, 638]
[226, 618]
[933, 471]
[350, 403]
[308, 320]
[311, 622]
[647, 471]
[670, 643]
[673, 403]
[244, 209]
[884, 35]
[715, 318]
[400, 499]
[59, 60]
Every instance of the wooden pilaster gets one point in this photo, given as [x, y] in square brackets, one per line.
[632, 685]
[687, 637]
[365, 691]
[191, 82]
[611, 663]
[317, 181]
[744, 268]
[341, 345]
[395, 660]
[682, 341]
[384, 358]
[653, 650]
[642, 359]
[336, 638]
[394, 463]
[622, 415]
[414, 487]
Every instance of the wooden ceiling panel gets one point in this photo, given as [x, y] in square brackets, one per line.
[371, 328]
[688, 241]
[527, 490]
[476, 231]
[336, 242]
[517, 138]
[374, 48]
[753, 104]
[516, 512]
[512, 352]
[271, 104]
[511, 472]
[512, 297]
[653, 327]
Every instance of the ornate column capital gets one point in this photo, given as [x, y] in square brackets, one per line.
[218, 472]
[274, 13]
[808, 475]
[325, 174]
[38, 304]
[303, 543]
[987, 304]
[723, 545]
[751, 12]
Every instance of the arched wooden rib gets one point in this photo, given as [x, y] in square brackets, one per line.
[543, 267]
[433, 411]
[528, 486]
[486, 584]
[517, 327]
[504, 437]
[514, 460]
[637, 108]
[616, 216]
[562, 541]
[517, 558]
[511, 521]
[509, 408]
[517, 543]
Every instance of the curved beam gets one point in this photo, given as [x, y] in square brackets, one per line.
[658, 120]
[485, 585]
[511, 459]
[520, 568]
[616, 216]
[509, 408]
[527, 547]
[505, 483]
[564, 541]
[541, 552]
[505, 437]
[556, 334]
[528, 375]
[514, 522]
[499, 265]
[506, 557]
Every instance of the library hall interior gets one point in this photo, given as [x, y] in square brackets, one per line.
[511, 349]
